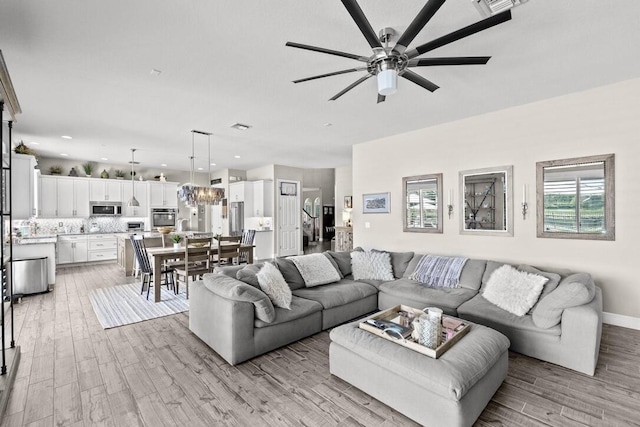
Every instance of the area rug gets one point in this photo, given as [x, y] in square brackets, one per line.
[122, 305]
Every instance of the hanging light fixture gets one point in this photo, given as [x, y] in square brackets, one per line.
[133, 202]
[193, 195]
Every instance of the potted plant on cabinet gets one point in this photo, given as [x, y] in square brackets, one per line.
[119, 174]
[88, 168]
[55, 170]
[176, 241]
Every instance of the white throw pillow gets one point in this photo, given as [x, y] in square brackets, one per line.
[272, 283]
[315, 269]
[512, 290]
[371, 265]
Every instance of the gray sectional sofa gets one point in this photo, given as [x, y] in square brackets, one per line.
[236, 319]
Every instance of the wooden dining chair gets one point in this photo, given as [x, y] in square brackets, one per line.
[228, 250]
[145, 266]
[197, 261]
[247, 239]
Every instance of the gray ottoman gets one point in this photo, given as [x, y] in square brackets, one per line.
[449, 391]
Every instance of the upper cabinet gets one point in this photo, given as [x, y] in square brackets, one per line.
[23, 186]
[163, 194]
[105, 190]
[142, 196]
[263, 198]
[63, 197]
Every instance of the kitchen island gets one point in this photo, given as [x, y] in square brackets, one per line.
[126, 259]
[43, 246]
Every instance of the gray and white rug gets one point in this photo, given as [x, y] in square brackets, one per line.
[122, 305]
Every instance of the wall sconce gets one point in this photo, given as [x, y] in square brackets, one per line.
[525, 205]
[449, 205]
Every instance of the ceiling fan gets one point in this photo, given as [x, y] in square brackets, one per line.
[388, 63]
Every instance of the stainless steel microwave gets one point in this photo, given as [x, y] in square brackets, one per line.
[105, 208]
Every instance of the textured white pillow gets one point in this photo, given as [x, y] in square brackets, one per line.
[272, 283]
[512, 290]
[315, 269]
[371, 265]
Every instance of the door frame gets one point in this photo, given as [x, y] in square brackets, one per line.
[298, 214]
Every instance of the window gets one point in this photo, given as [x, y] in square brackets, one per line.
[423, 206]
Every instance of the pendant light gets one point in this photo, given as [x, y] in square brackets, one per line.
[133, 202]
[193, 195]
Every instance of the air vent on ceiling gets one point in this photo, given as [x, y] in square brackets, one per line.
[493, 7]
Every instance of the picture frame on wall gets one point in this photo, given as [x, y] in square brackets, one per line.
[348, 202]
[288, 189]
[376, 203]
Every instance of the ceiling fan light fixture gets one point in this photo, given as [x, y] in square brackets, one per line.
[387, 82]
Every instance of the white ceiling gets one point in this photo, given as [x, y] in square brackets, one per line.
[83, 68]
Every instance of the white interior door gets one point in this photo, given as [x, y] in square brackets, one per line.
[289, 237]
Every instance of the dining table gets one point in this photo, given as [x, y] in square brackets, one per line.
[161, 255]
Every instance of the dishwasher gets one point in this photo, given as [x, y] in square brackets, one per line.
[30, 276]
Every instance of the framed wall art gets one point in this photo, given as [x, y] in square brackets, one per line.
[348, 202]
[376, 203]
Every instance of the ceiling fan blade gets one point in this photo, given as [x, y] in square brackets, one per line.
[335, 73]
[460, 34]
[362, 22]
[417, 25]
[381, 98]
[419, 80]
[328, 51]
[351, 86]
[456, 60]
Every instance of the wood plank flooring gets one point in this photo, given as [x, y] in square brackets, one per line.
[157, 373]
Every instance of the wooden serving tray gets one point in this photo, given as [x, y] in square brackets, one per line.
[391, 315]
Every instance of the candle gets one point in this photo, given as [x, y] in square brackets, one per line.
[524, 193]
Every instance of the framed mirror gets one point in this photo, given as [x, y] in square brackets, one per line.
[487, 200]
[422, 203]
[575, 198]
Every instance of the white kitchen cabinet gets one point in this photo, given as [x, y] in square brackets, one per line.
[48, 196]
[163, 194]
[73, 197]
[262, 199]
[102, 247]
[142, 196]
[105, 190]
[242, 192]
[72, 249]
[23, 182]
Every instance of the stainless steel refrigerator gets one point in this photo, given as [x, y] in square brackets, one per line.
[236, 218]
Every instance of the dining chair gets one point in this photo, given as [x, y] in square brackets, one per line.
[248, 237]
[145, 267]
[197, 261]
[228, 249]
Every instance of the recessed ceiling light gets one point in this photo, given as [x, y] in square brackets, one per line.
[240, 126]
[328, 124]
[164, 164]
[66, 137]
[213, 164]
[155, 72]
[35, 143]
[104, 158]
[64, 154]
[237, 157]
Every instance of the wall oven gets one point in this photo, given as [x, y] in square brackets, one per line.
[105, 208]
[163, 217]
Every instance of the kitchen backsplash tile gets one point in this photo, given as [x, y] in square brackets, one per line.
[48, 226]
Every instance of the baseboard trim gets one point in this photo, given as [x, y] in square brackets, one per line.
[620, 320]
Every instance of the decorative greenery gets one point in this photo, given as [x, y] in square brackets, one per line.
[217, 236]
[88, 168]
[176, 238]
[119, 173]
[55, 170]
[23, 149]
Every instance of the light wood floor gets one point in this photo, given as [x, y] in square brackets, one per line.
[157, 373]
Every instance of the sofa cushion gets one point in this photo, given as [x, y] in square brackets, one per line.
[491, 266]
[371, 265]
[446, 298]
[290, 273]
[439, 271]
[316, 269]
[232, 289]
[513, 290]
[399, 261]
[552, 283]
[273, 284]
[299, 308]
[337, 294]
[248, 273]
[478, 309]
[334, 264]
[343, 260]
[574, 290]
[470, 277]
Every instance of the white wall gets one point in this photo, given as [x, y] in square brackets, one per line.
[344, 187]
[598, 121]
